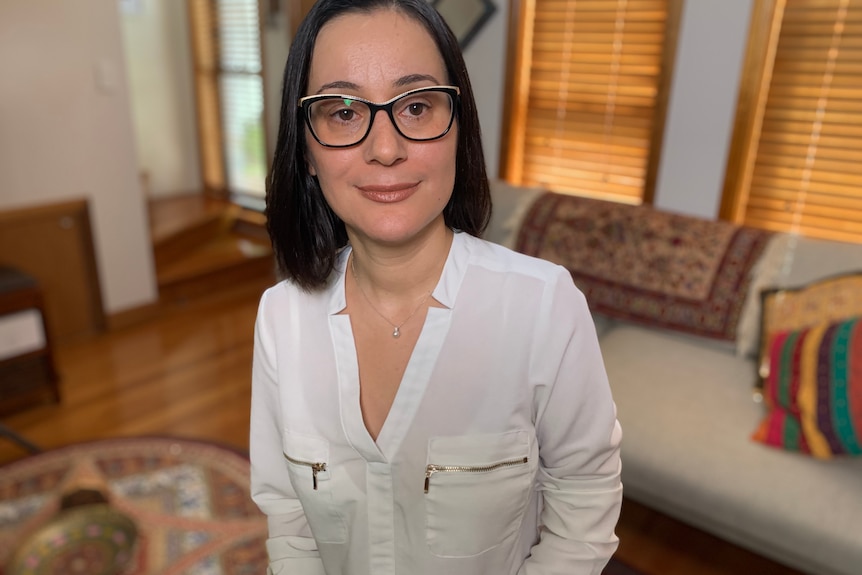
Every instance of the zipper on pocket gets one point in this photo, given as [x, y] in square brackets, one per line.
[315, 468]
[431, 469]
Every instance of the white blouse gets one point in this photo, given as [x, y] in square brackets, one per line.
[500, 454]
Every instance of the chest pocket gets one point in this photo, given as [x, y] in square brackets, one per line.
[308, 465]
[476, 491]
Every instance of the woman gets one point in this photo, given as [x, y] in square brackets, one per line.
[424, 402]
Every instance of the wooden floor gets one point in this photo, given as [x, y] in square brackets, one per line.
[186, 372]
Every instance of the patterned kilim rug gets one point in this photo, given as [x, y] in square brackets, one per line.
[646, 265]
[187, 500]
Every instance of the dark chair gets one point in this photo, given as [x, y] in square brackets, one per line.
[27, 372]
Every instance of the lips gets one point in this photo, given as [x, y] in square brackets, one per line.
[389, 193]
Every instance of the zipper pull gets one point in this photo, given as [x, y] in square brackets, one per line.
[429, 471]
[315, 469]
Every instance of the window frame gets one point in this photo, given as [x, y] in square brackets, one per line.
[211, 123]
[763, 35]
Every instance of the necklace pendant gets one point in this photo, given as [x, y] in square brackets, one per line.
[396, 332]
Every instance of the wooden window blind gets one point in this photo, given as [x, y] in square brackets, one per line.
[796, 165]
[226, 37]
[588, 94]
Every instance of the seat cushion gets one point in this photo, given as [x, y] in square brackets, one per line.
[687, 416]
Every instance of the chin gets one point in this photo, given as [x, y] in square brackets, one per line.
[403, 232]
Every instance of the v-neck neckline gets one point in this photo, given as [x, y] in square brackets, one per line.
[410, 391]
[420, 366]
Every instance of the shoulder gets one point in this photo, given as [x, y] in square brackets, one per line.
[279, 293]
[536, 294]
[496, 258]
[494, 272]
[287, 295]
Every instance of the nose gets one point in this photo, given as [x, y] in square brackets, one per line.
[384, 144]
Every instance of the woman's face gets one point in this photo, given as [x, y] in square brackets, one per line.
[386, 189]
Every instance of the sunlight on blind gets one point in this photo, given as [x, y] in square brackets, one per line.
[242, 101]
[807, 175]
[241, 90]
[588, 122]
[239, 36]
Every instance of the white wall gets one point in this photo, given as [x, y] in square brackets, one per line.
[158, 61]
[486, 62]
[702, 104]
[66, 132]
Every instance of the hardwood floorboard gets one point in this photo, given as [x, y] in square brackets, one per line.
[660, 545]
[187, 373]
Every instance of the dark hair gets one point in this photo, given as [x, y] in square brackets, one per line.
[306, 234]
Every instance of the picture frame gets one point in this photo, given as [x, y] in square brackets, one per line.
[465, 17]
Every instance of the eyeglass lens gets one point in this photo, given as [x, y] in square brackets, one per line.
[339, 121]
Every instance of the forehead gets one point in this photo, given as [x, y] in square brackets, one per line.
[373, 51]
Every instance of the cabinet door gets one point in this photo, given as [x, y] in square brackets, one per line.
[53, 243]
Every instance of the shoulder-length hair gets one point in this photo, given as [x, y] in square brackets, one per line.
[306, 234]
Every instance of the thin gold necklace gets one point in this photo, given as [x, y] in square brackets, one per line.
[396, 329]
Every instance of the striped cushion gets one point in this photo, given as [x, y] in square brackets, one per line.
[813, 391]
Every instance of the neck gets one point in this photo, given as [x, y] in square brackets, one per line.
[400, 274]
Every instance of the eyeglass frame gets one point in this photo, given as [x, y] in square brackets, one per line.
[305, 103]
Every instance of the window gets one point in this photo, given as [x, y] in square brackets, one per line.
[795, 164]
[587, 93]
[226, 36]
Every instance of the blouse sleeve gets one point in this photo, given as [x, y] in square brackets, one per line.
[579, 439]
[290, 546]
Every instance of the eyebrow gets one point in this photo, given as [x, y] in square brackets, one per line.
[399, 83]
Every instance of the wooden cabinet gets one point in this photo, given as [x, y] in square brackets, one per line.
[52, 243]
[27, 372]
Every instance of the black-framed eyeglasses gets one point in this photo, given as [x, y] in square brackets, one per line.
[341, 120]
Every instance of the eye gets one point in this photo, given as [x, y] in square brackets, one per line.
[337, 110]
[344, 114]
[417, 108]
[414, 108]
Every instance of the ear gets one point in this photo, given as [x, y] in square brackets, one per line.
[310, 167]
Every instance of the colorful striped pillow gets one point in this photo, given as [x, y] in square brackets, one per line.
[813, 392]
